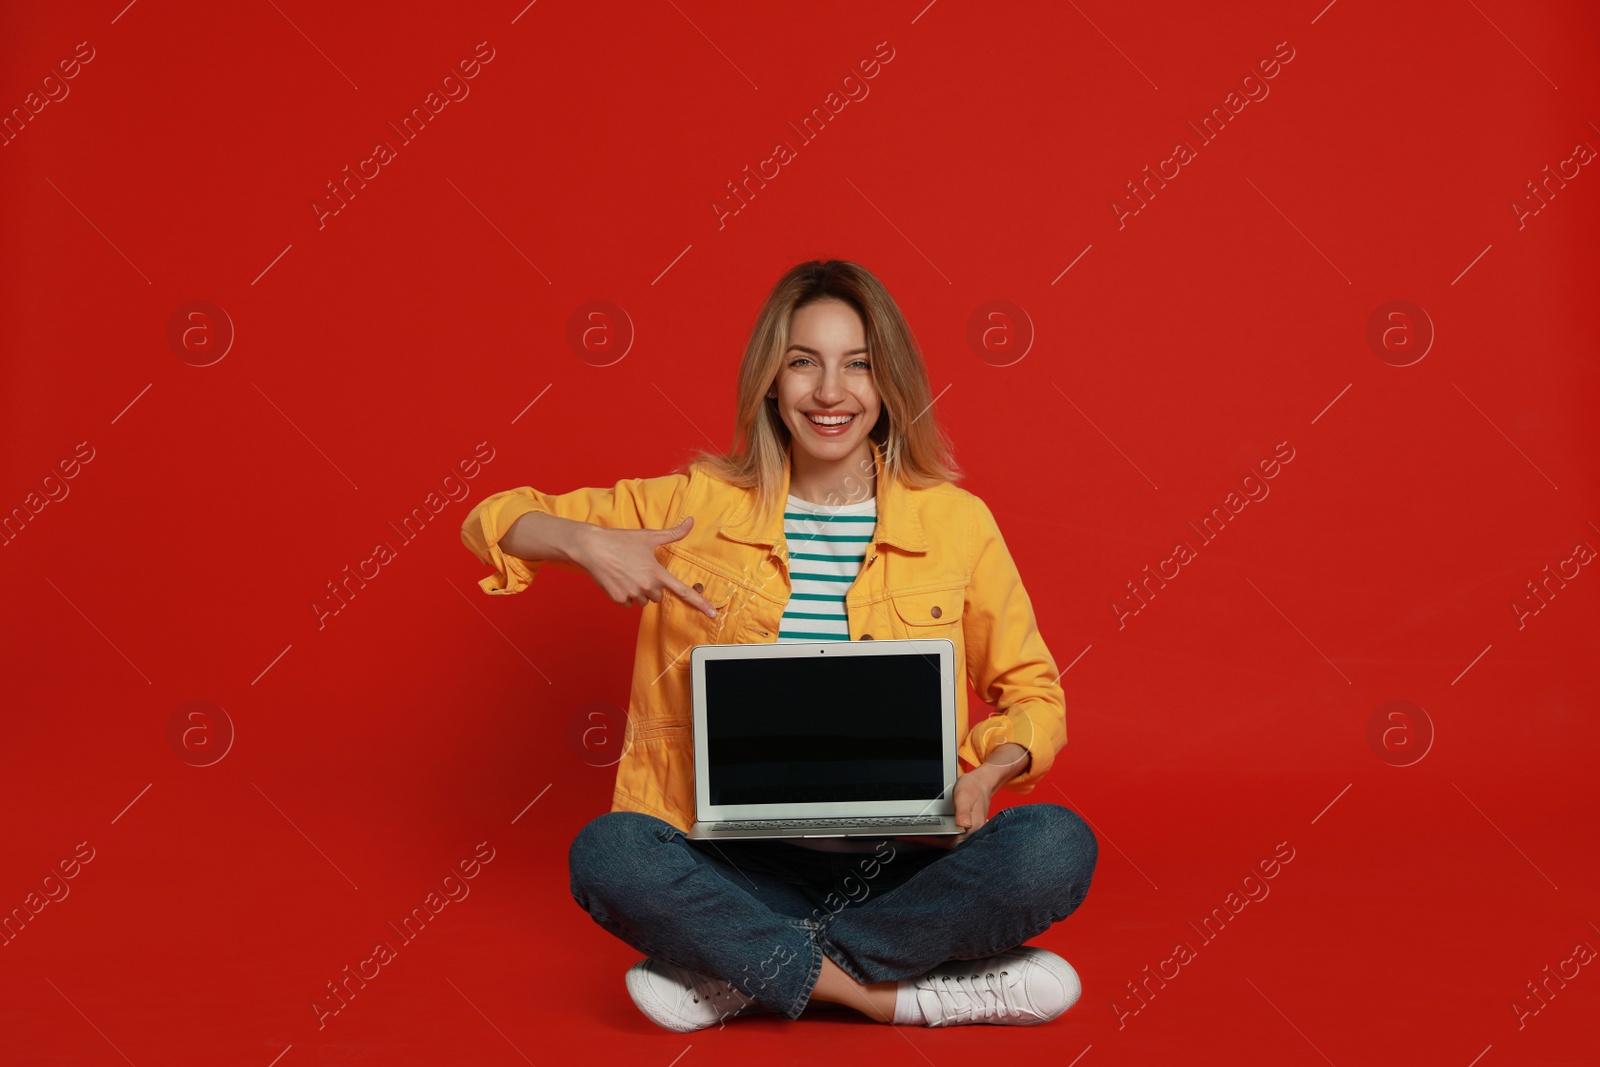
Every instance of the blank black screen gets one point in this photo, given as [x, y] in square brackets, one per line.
[821, 728]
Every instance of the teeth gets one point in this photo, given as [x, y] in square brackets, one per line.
[830, 420]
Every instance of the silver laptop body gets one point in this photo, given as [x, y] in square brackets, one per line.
[824, 739]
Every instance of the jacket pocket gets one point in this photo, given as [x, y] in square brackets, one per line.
[683, 625]
[657, 775]
[930, 612]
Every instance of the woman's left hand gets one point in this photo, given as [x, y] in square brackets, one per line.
[973, 793]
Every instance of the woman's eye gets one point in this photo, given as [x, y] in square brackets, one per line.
[806, 359]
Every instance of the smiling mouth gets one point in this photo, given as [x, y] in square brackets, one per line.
[832, 420]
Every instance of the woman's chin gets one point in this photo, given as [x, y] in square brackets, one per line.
[820, 447]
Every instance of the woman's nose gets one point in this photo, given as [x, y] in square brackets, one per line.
[830, 391]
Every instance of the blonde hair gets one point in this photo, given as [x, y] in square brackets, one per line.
[915, 447]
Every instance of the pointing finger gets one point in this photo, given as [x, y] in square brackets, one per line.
[677, 586]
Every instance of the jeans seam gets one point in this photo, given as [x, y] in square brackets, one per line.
[803, 997]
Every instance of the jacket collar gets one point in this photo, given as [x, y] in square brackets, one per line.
[899, 523]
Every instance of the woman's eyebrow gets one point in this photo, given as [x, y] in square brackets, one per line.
[813, 352]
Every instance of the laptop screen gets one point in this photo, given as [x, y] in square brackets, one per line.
[818, 729]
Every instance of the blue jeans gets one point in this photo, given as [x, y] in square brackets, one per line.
[762, 914]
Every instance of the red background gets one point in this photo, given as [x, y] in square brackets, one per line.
[374, 353]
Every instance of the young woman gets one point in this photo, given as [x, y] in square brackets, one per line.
[835, 432]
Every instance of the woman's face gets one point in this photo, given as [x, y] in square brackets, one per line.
[825, 377]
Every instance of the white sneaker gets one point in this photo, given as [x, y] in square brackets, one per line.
[683, 1000]
[1023, 987]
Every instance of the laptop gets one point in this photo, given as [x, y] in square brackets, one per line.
[824, 739]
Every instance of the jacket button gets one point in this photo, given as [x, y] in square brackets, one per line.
[866, 637]
[700, 588]
[936, 612]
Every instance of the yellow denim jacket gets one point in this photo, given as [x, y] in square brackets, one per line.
[937, 567]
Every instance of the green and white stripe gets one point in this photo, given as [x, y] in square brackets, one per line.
[826, 548]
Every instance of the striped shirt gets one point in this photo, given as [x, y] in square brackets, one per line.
[827, 545]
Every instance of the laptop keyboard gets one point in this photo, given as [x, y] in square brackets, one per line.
[824, 824]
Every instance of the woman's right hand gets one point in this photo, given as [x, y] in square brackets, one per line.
[624, 564]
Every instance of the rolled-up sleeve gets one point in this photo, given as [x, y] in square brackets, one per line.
[634, 504]
[1007, 661]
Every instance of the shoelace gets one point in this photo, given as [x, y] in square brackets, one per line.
[704, 987]
[986, 996]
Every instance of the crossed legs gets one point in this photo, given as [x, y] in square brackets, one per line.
[763, 917]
